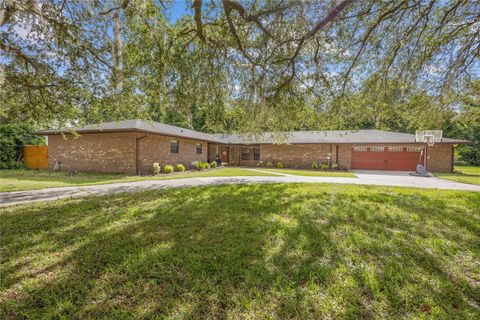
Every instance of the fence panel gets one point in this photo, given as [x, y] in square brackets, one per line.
[35, 157]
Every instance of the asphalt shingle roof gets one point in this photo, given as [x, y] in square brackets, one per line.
[142, 126]
[333, 136]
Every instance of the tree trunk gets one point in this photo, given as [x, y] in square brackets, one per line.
[117, 51]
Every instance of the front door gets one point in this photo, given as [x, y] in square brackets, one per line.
[224, 154]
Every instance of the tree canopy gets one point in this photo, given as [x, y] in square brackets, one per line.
[240, 65]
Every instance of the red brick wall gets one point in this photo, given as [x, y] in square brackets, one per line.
[116, 152]
[93, 152]
[156, 148]
[344, 156]
[293, 156]
[297, 155]
[440, 158]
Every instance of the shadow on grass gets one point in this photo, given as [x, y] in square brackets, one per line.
[60, 177]
[288, 251]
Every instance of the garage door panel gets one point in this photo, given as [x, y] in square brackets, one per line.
[385, 160]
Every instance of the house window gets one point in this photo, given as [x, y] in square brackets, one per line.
[360, 149]
[377, 149]
[173, 146]
[395, 149]
[245, 153]
[198, 148]
[256, 153]
[414, 149]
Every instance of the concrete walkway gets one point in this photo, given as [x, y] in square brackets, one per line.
[382, 178]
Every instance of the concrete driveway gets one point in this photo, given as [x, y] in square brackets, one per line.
[383, 178]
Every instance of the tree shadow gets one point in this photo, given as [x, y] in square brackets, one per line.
[237, 251]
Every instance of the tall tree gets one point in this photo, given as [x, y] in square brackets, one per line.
[263, 61]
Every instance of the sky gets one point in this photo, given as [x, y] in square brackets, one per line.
[179, 9]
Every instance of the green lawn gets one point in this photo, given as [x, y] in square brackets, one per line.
[312, 173]
[16, 180]
[465, 174]
[291, 251]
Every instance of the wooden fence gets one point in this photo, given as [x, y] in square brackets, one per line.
[35, 157]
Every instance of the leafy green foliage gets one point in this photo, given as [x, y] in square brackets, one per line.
[168, 168]
[314, 165]
[12, 140]
[213, 164]
[201, 165]
[156, 168]
[179, 167]
[280, 164]
[239, 66]
[467, 125]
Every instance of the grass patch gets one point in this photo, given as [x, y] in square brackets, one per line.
[23, 179]
[292, 251]
[465, 174]
[311, 173]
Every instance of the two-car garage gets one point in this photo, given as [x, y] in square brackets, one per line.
[401, 158]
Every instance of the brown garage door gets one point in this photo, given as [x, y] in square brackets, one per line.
[385, 158]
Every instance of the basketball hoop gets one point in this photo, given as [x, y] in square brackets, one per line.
[430, 140]
[429, 137]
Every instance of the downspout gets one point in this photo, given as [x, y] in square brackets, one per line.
[137, 153]
[452, 168]
[336, 154]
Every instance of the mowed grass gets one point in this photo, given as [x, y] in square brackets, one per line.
[311, 173]
[291, 251]
[465, 174]
[23, 179]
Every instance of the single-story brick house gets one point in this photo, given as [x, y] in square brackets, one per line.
[132, 146]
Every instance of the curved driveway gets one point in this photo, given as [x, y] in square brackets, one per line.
[400, 179]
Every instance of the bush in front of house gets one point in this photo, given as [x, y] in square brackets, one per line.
[260, 164]
[156, 168]
[269, 164]
[279, 165]
[324, 166]
[201, 165]
[179, 167]
[213, 164]
[168, 168]
[314, 165]
[334, 166]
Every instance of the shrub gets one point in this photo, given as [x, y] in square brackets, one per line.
[197, 165]
[213, 164]
[201, 165]
[335, 166]
[314, 165]
[324, 166]
[156, 168]
[168, 168]
[260, 164]
[279, 165]
[179, 167]
[13, 137]
[269, 164]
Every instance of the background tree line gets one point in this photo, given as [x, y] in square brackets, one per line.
[246, 66]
